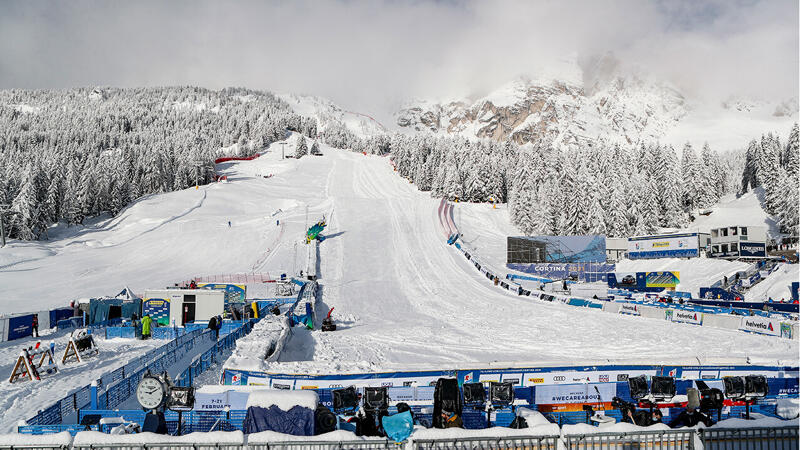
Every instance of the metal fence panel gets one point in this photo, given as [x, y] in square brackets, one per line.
[749, 438]
[489, 443]
[656, 440]
[157, 446]
[325, 445]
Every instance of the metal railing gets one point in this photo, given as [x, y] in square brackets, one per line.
[655, 440]
[160, 446]
[749, 438]
[489, 443]
[325, 445]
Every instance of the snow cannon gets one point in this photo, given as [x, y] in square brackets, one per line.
[315, 230]
[327, 322]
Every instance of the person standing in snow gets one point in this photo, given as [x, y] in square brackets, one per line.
[212, 325]
[35, 326]
[146, 322]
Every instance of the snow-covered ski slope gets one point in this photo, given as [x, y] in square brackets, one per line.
[403, 298]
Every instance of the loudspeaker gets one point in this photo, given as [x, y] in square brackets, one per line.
[345, 399]
[638, 387]
[474, 393]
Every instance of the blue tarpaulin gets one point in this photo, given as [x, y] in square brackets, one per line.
[298, 421]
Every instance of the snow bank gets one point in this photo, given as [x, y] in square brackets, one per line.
[218, 437]
[763, 422]
[263, 344]
[788, 408]
[532, 417]
[283, 399]
[11, 439]
[619, 427]
[452, 433]
[265, 437]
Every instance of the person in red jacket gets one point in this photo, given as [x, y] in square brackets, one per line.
[35, 326]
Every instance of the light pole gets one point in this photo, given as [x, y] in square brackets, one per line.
[283, 150]
[197, 165]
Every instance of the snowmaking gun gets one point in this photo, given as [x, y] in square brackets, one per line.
[327, 322]
[81, 345]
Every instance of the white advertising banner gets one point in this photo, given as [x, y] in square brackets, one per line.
[571, 377]
[692, 317]
[630, 308]
[568, 397]
[762, 325]
[675, 242]
[217, 401]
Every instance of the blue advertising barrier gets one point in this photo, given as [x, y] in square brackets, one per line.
[73, 322]
[20, 327]
[59, 314]
[123, 332]
[755, 306]
[589, 272]
[718, 294]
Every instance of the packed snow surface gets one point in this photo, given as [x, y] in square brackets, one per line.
[403, 298]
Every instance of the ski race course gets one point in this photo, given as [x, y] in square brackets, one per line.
[403, 298]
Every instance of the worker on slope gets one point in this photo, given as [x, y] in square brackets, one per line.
[146, 322]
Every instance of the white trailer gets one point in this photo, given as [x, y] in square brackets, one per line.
[179, 306]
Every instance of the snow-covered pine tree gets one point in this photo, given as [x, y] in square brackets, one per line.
[750, 172]
[301, 149]
[692, 178]
[29, 221]
[616, 218]
[792, 153]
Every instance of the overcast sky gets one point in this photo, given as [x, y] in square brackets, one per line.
[371, 55]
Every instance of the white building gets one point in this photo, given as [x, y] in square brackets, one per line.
[179, 306]
[739, 241]
[616, 248]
